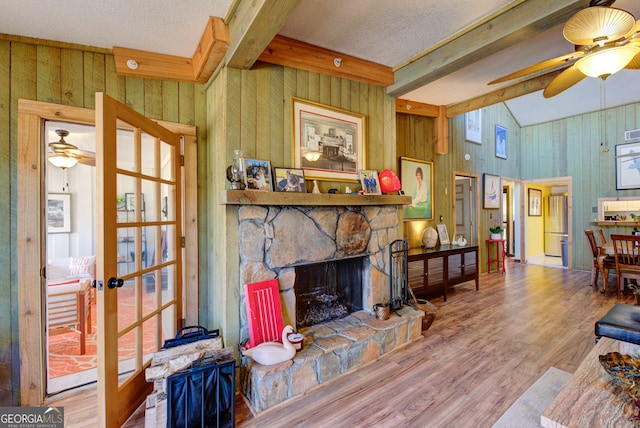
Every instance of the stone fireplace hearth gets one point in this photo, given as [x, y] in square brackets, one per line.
[278, 234]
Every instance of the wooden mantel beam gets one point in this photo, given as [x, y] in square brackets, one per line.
[303, 56]
[429, 110]
[210, 51]
[517, 23]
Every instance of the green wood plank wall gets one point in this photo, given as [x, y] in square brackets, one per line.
[66, 76]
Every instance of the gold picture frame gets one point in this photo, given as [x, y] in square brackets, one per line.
[328, 143]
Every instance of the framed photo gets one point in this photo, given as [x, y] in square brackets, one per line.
[328, 143]
[473, 126]
[130, 201]
[257, 174]
[501, 142]
[491, 191]
[289, 180]
[416, 177]
[58, 213]
[369, 181]
[443, 234]
[535, 203]
[628, 166]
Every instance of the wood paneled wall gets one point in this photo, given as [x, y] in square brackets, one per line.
[572, 147]
[68, 75]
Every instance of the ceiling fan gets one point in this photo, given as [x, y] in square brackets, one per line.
[606, 40]
[64, 155]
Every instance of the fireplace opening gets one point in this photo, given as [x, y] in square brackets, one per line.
[328, 291]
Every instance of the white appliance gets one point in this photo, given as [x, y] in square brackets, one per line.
[555, 225]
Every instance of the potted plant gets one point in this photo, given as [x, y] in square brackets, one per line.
[496, 230]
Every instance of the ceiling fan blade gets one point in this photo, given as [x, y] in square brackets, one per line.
[87, 161]
[81, 153]
[563, 81]
[541, 66]
[598, 24]
[634, 64]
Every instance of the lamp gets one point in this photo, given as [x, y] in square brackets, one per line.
[59, 157]
[61, 160]
[606, 61]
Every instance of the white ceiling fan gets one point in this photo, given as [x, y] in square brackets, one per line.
[606, 40]
[64, 155]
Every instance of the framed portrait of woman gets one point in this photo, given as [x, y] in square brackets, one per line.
[416, 177]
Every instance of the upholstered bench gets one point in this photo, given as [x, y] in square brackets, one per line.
[622, 322]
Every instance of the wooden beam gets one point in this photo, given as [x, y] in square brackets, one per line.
[209, 53]
[303, 56]
[502, 94]
[252, 27]
[429, 110]
[516, 24]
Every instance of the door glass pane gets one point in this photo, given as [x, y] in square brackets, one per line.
[169, 323]
[149, 155]
[125, 151]
[127, 355]
[168, 281]
[167, 208]
[168, 237]
[150, 339]
[151, 192]
[167, 161]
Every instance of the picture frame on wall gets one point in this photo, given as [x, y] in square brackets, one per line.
[473, 126]
[491, 191]
[257, 174]
[628, 166]
[130, 201]
[370, 182]
[289, 180]
[535, 203]
[58, 213]
[501, 142]
[416, 177]
[328, 143]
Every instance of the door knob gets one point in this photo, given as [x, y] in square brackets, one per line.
[115, 282]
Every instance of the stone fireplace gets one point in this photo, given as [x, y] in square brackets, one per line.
[330, 256]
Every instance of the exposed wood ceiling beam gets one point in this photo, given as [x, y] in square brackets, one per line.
[252, 27]
[488, 37]
[210, 51]
[502, 94]
[303, 56]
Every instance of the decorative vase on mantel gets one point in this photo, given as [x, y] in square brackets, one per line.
[496, 236]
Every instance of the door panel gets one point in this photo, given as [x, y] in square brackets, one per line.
[139, 268]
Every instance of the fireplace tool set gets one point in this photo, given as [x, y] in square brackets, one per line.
[399, 292]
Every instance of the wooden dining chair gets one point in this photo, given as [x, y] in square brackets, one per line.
[626, 250]
[603, 240]
[601, 264]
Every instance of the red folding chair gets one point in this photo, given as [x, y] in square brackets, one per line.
[264, 312]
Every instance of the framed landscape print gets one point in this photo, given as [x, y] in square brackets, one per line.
[443, 234]
[58, 213]
[535, 203]
[501, 142]
[473, 126]
[328, 143]
[628, 166]
[416, 177]
[491, 191]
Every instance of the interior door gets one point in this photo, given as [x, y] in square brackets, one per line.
[139, 290]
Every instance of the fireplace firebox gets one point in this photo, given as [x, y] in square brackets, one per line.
[327, 291]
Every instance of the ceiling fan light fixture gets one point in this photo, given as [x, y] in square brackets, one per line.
[606, 62]
[598, 22]
[60, 160]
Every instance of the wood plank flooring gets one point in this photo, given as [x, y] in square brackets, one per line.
[484, 349]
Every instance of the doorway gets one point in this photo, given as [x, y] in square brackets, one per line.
[32, 231]
[466, 207]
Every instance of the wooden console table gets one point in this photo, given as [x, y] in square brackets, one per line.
[590, 398]
[442, 267]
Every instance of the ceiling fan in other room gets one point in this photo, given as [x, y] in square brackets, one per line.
[64, 155]
[606, 40]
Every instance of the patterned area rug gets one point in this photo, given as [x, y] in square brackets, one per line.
[526, 410]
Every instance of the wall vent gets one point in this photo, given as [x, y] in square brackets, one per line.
[632, 135]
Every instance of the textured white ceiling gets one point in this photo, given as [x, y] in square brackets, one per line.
[382, 31]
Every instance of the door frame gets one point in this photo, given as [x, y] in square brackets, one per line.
[31, 234]
[475, 204]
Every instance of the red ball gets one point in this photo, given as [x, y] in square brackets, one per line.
[389, 182]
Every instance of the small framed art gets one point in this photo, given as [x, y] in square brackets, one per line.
[491, 191]
[289, 180]
[58, 213]
[535, 203]
[501, 142]
[369, 181]
[443, 234]
[473, 126]
[257, 174]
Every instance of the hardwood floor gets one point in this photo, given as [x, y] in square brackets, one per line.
[484, 349]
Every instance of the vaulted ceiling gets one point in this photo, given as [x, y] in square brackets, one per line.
[440, 52]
